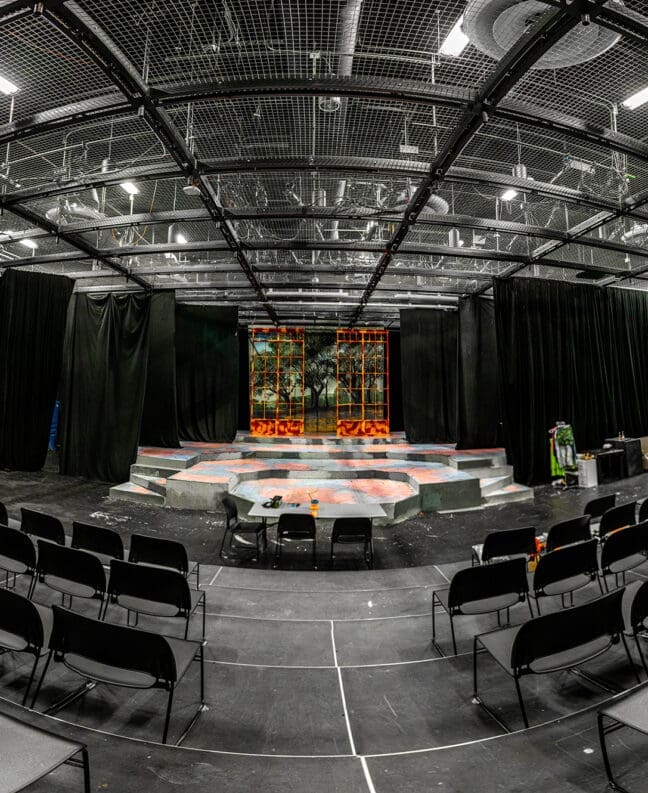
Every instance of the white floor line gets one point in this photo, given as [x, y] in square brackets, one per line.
[216, 574]
[344, 704]
[441, 573]
[368, 779]
[321, 619]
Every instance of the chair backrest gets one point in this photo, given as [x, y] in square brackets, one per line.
[159, 552]
[157, 584]
[509, 542]
[16, 545]
[617, 517]
[493, 580]
[97, 539]
[113, 645]
[643, 511]
[635, 606]
[565, 631]
[71, 564]
[597, 506]
[231, 510]
[351, 527]
[568, 531]
[300, 522]
[4, 517]
[47, 527]
[19, 616]
[570, 560]
[626, 542]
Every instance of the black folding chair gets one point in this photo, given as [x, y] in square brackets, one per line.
[103, 542]
[159, 552]
[354, 531]
[71, 572]
[154, 591]
[39, 524]
[598, 506]
[17, 556]
[567, 532]
[505, 544]
[635, 614]
[241, 533]
[627, 710]
[565, 570]
[295, 527]
[482, 590]
[617, 518]
[121, 656]
[554, 642]
[4, 517]
[624, 550]
[643, 511]
[25, 627]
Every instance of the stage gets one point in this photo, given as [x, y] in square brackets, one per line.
[403, 478]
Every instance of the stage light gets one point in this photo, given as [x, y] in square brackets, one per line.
[456, 40]
[7, 87]
[181, 239]
[509, 195]
[636, 100]
[129, 187]
[29, 243]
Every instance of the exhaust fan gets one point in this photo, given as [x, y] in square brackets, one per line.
[495, 25]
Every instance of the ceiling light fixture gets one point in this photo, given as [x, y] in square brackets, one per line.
[636, 100]
[29, 243]
[181, 239]
[129, 187]
[455, 41]
[509, 195]
[7, 87]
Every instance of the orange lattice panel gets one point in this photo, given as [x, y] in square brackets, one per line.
[273, 428]
[362, 395]
[369, 428]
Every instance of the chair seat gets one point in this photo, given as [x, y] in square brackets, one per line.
[184, 652]
[351, 538]
[297, 535]
[631, 709]
[478, 549]
[11, 641]
[12, 565]
[563, 586]
[94, 670]
[67, 587]
[156, 608]
[627, 563]
[484, 606]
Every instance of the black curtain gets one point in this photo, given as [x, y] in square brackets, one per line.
[244, 380]
[33, 308]
[572, 353]
[478, 409]
[429, 362]
[207, 370]
[395, 383]
[106, 351]
[160, 416]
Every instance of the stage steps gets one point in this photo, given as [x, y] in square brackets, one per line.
[128, 491]
[508, 494]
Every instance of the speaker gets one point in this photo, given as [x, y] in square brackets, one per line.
[632, 448]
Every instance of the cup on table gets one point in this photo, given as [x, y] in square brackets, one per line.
[314, 506]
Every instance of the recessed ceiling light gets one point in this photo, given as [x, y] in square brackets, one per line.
[509, 195]
[29, 243]
[181, 239]
[130, 188]
[7, 87]
[636, 100]
[455, 41]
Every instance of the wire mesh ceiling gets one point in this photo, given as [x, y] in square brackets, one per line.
[324, 163]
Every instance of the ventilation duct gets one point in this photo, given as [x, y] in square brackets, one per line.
[72, 208]
[495, 26]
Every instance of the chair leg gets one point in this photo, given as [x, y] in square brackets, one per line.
[434, 597]
[220, 553]
[86, 770]
[331, 554]
[202, 673]
[30, 681]
[452, 631]
[168, 715]
[204, 616]
[528, 600]
[630, 661]
[371, 552]
[314, 553]
[520, 700]
[604, 753]
[475, 694]
[42, 677]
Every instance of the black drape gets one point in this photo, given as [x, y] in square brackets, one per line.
[33, 308]
[478, 406]
[207, 367]
[244, 380]
[395, 381]
[160, 416]
[429, 361]
[572, 353]
[106, 352]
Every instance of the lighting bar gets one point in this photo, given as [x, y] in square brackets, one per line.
[636, 100]
[455, 41]
[130, 188]
[509, 195]
[7, 87]
[28, 243]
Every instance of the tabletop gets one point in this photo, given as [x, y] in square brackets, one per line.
[326, 510]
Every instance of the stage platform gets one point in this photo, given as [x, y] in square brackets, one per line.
[403, 478]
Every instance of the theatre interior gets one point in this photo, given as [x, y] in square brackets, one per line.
[323, 396]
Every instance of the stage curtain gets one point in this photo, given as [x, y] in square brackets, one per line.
[429, 362]
[478, 411]
[244, 380]
[572, 353]
[207, 366]
[106, 354]
[160, 415]
[33, 309]
[395, 380]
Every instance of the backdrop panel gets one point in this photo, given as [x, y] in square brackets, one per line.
[33, 309]
[106, 353]
[207, 370]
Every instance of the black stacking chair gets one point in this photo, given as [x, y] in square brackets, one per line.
[627, 710]
[482, 590]
[158, 552]
[25, 627]
[295, 527]
[624, 550]
[4, 517]
[567, 532]
[598, 506]
[17, 556]
[617, 518]
[105, 543]
[635, 613]
[241, 532]
[154, 591]
[39, 524]
[554, 642]
[355, 531]
[33, 753]
[505, 543]
[643, 511]
[121, 656]
[565, 570]
[71, 572]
